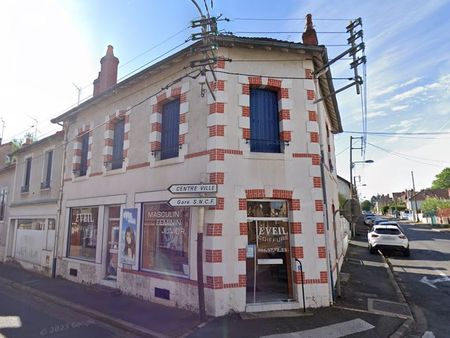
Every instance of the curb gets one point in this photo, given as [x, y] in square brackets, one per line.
[113, 321]
[410, 323]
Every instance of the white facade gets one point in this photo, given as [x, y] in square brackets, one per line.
[213, 148]
[33, 209]
[7, 168]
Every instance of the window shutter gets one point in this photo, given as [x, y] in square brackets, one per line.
[28, 172]
[170, 130]
[117, 156]
[84, 153]
[264, 124]
[48, 174]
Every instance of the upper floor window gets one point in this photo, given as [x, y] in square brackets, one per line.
[3, 198]
[47, 170]
[27, 175]
[170, 129]
[264, 123]
[117, 155]
[84, 154]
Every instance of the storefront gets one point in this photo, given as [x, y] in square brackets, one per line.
[269, 277]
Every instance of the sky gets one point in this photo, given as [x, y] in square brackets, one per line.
[52, 49]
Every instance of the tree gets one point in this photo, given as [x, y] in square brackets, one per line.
[432, 204]
[442, 180]
[366, 205]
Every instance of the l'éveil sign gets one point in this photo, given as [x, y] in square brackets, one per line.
[193, 188]
[193, 202]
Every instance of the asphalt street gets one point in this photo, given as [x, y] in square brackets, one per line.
[23, 315]
[425, 278]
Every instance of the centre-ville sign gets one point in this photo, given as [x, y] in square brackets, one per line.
[192, 188]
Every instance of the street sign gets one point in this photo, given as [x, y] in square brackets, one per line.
[192, 188]
[193, 202]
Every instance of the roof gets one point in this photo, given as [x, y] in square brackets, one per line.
[319, 54]
[48, 139]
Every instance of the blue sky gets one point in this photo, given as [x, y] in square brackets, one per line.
[51, 46]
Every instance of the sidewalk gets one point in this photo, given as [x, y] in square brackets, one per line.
[368, 294]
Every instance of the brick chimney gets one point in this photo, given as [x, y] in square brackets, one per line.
[309, 37]
[107, 77]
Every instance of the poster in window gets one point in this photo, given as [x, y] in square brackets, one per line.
[165, 238]
[128, 242]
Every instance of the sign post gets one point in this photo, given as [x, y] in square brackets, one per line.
[201, 202]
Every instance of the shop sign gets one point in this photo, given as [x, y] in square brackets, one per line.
[192, 188]
[193, 202]
[128, 239]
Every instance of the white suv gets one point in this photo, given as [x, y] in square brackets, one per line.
[387, 237]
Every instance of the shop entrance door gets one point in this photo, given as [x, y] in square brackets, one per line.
[112, 253]
[269, 276]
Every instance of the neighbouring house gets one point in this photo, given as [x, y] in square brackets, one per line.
[7, 167]
[415, 201]
[33, 208]
[345, 193]
[380, 202]
[259, 141]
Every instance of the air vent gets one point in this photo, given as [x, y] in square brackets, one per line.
[73, 272]
[162, 293]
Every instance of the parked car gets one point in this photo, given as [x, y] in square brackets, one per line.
[386, 222]
[380, 220]
[388, 236]
[369, 219]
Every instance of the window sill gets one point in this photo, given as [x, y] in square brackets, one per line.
[169, 161]
[265, 156]
[79, 260]
[79, 178]
[114, 171]
[46, 189]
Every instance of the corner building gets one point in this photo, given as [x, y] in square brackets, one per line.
[260, 141]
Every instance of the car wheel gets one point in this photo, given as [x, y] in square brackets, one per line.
[406, 253]
[371, 249]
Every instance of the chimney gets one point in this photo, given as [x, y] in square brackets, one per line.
[107, 77]
[309, 37]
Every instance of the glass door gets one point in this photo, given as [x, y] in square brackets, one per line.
[268, 261]
[112, 253]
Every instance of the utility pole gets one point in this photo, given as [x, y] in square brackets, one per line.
[416, 217]
[352, 186]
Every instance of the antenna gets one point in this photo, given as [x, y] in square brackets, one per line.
[79, 93]
[34, 126]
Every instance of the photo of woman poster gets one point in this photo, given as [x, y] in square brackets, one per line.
[128, 238]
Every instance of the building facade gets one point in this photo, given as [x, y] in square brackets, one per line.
[262, 139]
[33, 209]
[7, 167]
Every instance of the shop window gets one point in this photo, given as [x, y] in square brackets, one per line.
[26, 181]
[170, 130]
[45, 184]
[165, 239]
[267, 209]
[117, 155]
[83, 233]
[3, 199]
[264, 124]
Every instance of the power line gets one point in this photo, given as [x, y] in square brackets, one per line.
[287, 32]
[397, 133]
[285, 19]
[278, 77]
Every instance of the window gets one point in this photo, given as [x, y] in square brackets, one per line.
[117, 155]
[165, 239]
[264, 123]
[84, 154]
[3, 199]
[26, 181]
[83, 233]
[170, 129]
[47, 170]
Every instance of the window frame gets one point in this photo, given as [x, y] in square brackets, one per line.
[166, 134]
[27, 175]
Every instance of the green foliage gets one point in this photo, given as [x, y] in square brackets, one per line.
[366, 205]
[342, 200]
[442, 180]
[385, 209]
[432, 204]
[398, 207]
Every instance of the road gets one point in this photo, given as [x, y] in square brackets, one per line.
[24, 315]
[425, 276]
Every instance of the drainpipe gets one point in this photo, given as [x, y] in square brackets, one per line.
[325, 200]
[60, 200]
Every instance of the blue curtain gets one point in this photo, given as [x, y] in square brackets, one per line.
[117, 156]
[170, 129]
[264, 124]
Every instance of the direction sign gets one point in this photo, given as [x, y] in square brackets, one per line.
[192, 188]
[193, 202]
